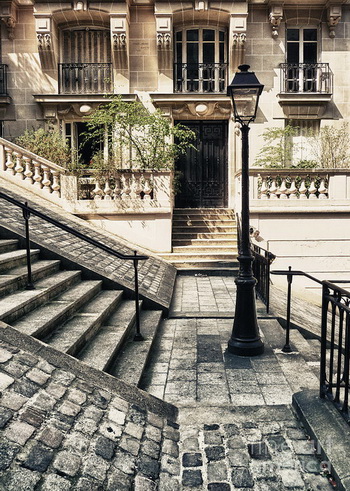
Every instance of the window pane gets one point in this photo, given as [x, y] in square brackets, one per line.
[293, 53]
[179, 36]
[192, 53]
[310, 52]
[310, 34]
[192, 35]
[221, 53]
[221, 36]
[178, 53]
[292, 34]
[209, 53]
[208, 35]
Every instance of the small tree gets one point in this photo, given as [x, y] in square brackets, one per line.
[331, 147]
[140, 139]
[278, 149]
[48, 144]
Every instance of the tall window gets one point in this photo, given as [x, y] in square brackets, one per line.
[301, 60]
[303, 140]
[200, 60]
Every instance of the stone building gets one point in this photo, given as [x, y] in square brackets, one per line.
[59, 59]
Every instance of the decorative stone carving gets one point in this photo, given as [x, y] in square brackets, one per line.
[10, 23]
[201, 5]
[164, 31]
[43, 26]
[164, 40]
[119, 41]
[334, 13]
[206, 109]
[275, 18]
[239, 38]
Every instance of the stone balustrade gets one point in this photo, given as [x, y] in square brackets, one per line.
[34, 171]
[126, 185]
[302, 185]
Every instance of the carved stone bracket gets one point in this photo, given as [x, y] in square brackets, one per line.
[275, 18]
[8, 15]
[193, 110]
[239, 38]
[43, 26]
[163, 40]
[164, 32]
[334, 13]
[120, 39]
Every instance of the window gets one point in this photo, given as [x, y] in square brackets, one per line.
[302, 67]
[76, 134]
[200, 56]
[302, 140]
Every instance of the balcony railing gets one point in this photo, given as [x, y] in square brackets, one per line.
[200, 77]
[306, 78]
[3, 79]
[85, 78]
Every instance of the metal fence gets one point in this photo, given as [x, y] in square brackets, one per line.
[3, 79]
[306, 77]
[85, 78]
[200, 77]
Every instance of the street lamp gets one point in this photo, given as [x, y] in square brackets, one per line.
[245, 91]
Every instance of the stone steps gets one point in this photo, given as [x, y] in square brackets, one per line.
[74, 315]
[203, 239]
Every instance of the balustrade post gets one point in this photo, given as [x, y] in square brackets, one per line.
[302, 190]
[273, 190]
[37, 174]
[9, 164]
[312, 190]
[46, 182]
[264, 189]
[19, 167]
[28, 170]
[283, 190]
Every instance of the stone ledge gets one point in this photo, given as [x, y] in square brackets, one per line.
[98, 378]
[327, 428]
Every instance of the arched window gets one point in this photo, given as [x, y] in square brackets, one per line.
[200, 60]
[85, 66]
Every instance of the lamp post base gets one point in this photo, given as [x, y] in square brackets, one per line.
[243, 347]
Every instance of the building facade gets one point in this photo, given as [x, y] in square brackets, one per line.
[60, 60]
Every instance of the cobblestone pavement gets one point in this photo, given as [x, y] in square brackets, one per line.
[61, 432]
[237, 428]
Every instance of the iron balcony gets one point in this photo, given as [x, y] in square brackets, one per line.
[200, 77]
[306, 78]
[85, 78]
[3, 80]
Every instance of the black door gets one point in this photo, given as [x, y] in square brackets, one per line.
[203, 172]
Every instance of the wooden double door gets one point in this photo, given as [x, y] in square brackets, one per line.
[202, 172]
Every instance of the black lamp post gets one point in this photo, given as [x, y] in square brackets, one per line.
[245, 91]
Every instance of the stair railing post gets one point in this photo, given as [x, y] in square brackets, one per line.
[26, 216]
[138, 336]
[286, 348]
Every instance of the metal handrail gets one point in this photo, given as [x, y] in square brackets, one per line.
[213, 74]
[28, 211]
[306, 78]
[85, 78]
[261, 269]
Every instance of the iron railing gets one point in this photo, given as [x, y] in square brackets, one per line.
[28, 211]
[306, 77]
[335, 339]
[261, 271]
[3, 79]
[84, 78]
[200, 77]
[335, 327]
[261, 267]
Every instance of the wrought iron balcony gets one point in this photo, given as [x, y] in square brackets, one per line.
[3, 80]
[85, 78]
[301, 78]
[200, 77]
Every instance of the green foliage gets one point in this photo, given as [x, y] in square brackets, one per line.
[48, 144]
[278, 149]
[331, 147]
[306, 164]
[140, 139]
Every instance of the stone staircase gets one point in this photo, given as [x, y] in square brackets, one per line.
[73, 314]
[204, 239]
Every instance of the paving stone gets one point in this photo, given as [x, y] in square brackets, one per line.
[95, 466]
[86, 425]
[151, 448]
[171, 448]
[76, 396]
[212, 438]
[37, 376]
[19, 432]
[116, 416]
[104, 447]
[291, 478]
[218, 486]
[5, 381]
[8, 451]
[148, 466]
[77, 442]
[238, 457]
[15, 368]
[5, 355]
[124, 462]
[25, 387]
[93, 413]
[192, 459]
[170, 465]
[111, 430]
[119, 481]
[43, 401]
[19, 480]
[69, 409]
[217, 471]
[67, 463]
[144, 484]
[27, 359]
[33, 416]
[259, 451]
[45, 366]
[168, 482]
[39, 458]
[52, 437]
[134, 430]
[90, 484]
[130, 444]
[215, 453]
[13, 400]
[53, 482]
[5, 416]
[242, 478]
[192, 478]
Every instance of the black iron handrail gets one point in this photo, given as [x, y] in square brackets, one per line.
[261, 271]
[335, 384]
[28, 211]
